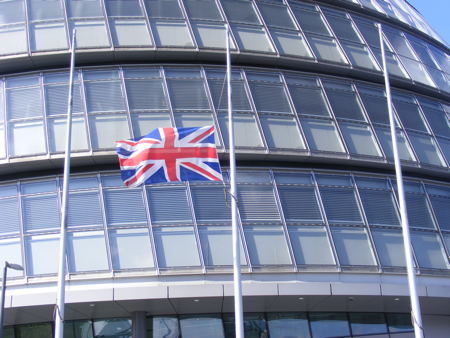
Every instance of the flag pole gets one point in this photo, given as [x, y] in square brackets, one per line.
[416, 316]
[59, 309]
[238, 309]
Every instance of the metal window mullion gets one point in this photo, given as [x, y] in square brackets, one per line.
[21, 229]
[27, 27]
[147, 22]
[44, 114]
[66, 22]
[5, 118]
[265, 27]
[105, 225]
[166, 91]
[150, 229]
[365, 43]
[230, 31]
[59, 203]
[84, 103]
[194, 225]
[326, 223]
[188, 25]
[214, 111]
[242, 233]
[255, 112]
[392, 50]
[333, 118]
[366, 222]
[106, 21]
[124, 91]
[283, 220]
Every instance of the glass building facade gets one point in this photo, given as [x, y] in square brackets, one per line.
[319, 221]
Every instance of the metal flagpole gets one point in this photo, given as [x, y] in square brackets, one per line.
[59, 310]
[415, 305]
[238, 309]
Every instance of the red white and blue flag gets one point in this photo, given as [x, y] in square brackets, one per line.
[169, 155]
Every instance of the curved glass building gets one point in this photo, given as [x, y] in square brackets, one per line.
[322, 251]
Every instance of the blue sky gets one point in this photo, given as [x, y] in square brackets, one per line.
[437, 14]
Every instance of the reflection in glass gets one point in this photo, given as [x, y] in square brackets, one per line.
[389, 245]
[288, 325]
[311, 245]
[117, 327]
[42, 254]
[163, 327]
[329, 324]
[87, 251]
[267, 245]
[367, 323]
[352, 246]
[201, 326]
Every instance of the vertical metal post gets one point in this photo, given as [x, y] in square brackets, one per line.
[2, 304]
[238, 308]
[60, 298]
[416, 316]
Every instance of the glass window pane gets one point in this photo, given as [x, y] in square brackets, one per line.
[239, 98]
[91, 33]
[342, 27]
[129, 33]
[9, 217]
[270, 98]
[429, 250]
[20, 142]
[410, 115]
[35, 330]
[171, 33]
[40, 212]
[376, 107]
[202, 9]
[311, 245]
[375, 201]
[130, 249]
[23, 103]
[439, 121]
[107, 129]
[163, 9]
[210, 35]
[143, 123]
[201, 326]
[359, 139]
[12, 11]
[84, 209]
[367, 323]
[252, 39]
[246, 132]
[340, 205]
[168, 240]
[281, 132]
[322, 135]
[116, 327]
[13, 40]
[283, 325]
[10, 251]
[158, 326]
[291, 43]
[42, 254]
[345, 104]
[211, 204]
[299, 204]
[399, 322]
[84, 8]
[389, 245]
[119, 212]
[311, 22]
[352, 246]
[419, 213]
[217, 246]
[359, 55]
[123, 8]
[326, 49]
[384, 136]
[48, 36]
[104, 96]
[329, 324]
[57, 134]
[168, 205]
[240, 11]
[257, 204]
[187, 94]
[426, 149]
[267, 245]
[277, 16]
[78, 329]
[309, 101]
[441, 210]
[87, 251]
[56, 97]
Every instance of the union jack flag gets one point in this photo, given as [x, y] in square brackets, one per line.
[169, 155]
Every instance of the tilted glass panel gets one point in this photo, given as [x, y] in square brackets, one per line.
[419, 213]
[422, 51]
[171, 33]
[210, 35]
[201, 326]
[118, 327]
[270, 98]
[84, 8]
[267, 245]
[257, 204]
[84, 209]
[353, 246]
[158, 326]
[322, 135]
[187, 94]
[42, 254]
[87, 251]
[145, 94]
[129, 33]
[438, 120]
[45, 9]
[368, 30]
[359, 139]
[404, 149]
[417, 71]
[104, 96]
[299, 204]
[212, 204]
[399, 322]
[239, 98]
[441, 58]
[375, 201]
[12, 11]
[13, 39]
[254, 325]
[426, 149]
[202, 9]
[57, 131]
[35, 330]
[281, 132]
[217, 246]
[310, 101]
[429, 250]
[20, 142]
[9, 217]
[163, 9]
[23, 103]
[79, 328]
[340, 205]
[376, 107]
[143, 123]
[359, 55]
[40, 212]
[327, 324]
[169, 240]
[345, 104]
[276, 16]
[290, 43]
[246, 132]
[130, 249]
[2, 141]
[285, 324]
[105, 130]
[124, 207]
[168, 205]
[90, 34]
[441, 210]
[190, 119]
[389, 246]
[35, 187]
[310, 21]
[368, 323]
[311, 245]
[393, 65]
[343, 28]
[445, 147]
[10, 251]
[123, 8]
[56, 97]
[240, 11]
[251, 38]
[399, 43]
[326, 48]
[48, 36]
